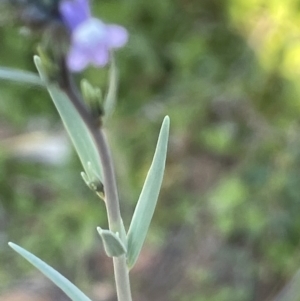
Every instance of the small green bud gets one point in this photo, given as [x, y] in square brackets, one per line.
[93, 96]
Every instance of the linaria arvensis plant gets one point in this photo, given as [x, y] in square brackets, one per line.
[72, 40]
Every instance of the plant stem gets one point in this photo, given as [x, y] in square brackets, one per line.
[109, 181]
[114, 216]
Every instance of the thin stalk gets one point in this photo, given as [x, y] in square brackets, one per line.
[109, 181]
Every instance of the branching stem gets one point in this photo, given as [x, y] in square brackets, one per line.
[109, 181]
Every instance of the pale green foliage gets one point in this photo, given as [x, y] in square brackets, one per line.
[147, 201]
[63, 283]
[112, 243]
[76, 128]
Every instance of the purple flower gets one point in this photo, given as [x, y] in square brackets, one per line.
[91, 39]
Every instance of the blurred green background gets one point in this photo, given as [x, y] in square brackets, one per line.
[227, 226]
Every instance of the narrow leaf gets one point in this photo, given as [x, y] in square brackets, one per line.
[148, 198]
[20, 76]
[112, 243]
[63, 283]
[78, 132]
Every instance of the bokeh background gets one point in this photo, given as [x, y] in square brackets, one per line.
[227, 225]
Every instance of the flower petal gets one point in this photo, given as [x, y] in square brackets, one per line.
[91, 39]
[89, 33]
[100, 56]
[117, 36]
[74, 12]
[77, 60]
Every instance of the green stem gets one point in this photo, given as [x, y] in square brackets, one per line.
[114, 217]
[109, 181]
[110, 186]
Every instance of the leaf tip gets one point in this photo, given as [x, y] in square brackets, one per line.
[36, 59]
[13, 246]
[166, 121]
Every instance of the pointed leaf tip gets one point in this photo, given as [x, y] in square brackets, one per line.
[36, 59]
[148, 198]
[63, 283]
[113, 245]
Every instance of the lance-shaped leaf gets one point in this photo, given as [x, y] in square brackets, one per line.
[112, 243]
[78, 132]
[63, 283]
[148, 198]
[20, 76]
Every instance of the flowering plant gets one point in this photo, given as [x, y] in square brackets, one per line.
[91, 39]
[90, 42]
